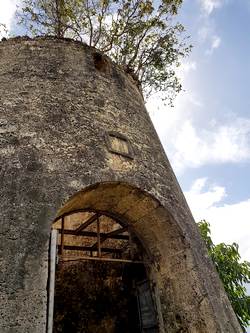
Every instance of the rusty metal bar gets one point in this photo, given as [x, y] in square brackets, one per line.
[110, 234]
[116, 232]
[89, 248]
[130, 246]
[99, 251]
[86, 224]
[62, 236]
[94, 234]
[65, 259]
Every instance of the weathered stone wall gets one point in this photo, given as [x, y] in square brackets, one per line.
[57, 103]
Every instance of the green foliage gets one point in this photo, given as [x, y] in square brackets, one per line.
[139, 35]
[233, 273]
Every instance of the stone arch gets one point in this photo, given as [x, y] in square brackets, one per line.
[150, 221]
[152, 224]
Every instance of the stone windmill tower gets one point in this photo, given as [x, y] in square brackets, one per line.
[79, 155]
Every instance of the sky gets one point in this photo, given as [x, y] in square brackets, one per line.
[206, 135]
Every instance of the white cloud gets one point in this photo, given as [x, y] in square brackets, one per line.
[7, 11]
[185, 68]
[190, 144]
[168, 121]
[207, 34]
[190, 147]
[229, 222]
[205, 200]
[208, 6]
[191, 141]
[205, 31]
[215, 43]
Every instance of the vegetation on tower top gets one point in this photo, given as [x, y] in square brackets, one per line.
[142, 36]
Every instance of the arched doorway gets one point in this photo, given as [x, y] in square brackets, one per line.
[104, 271]
[102, 283]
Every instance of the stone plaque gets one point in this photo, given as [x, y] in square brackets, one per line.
[118, 144]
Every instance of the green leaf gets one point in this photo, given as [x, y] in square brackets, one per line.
[233, 273]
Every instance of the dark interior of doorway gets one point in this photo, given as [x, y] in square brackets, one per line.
[97, 297]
